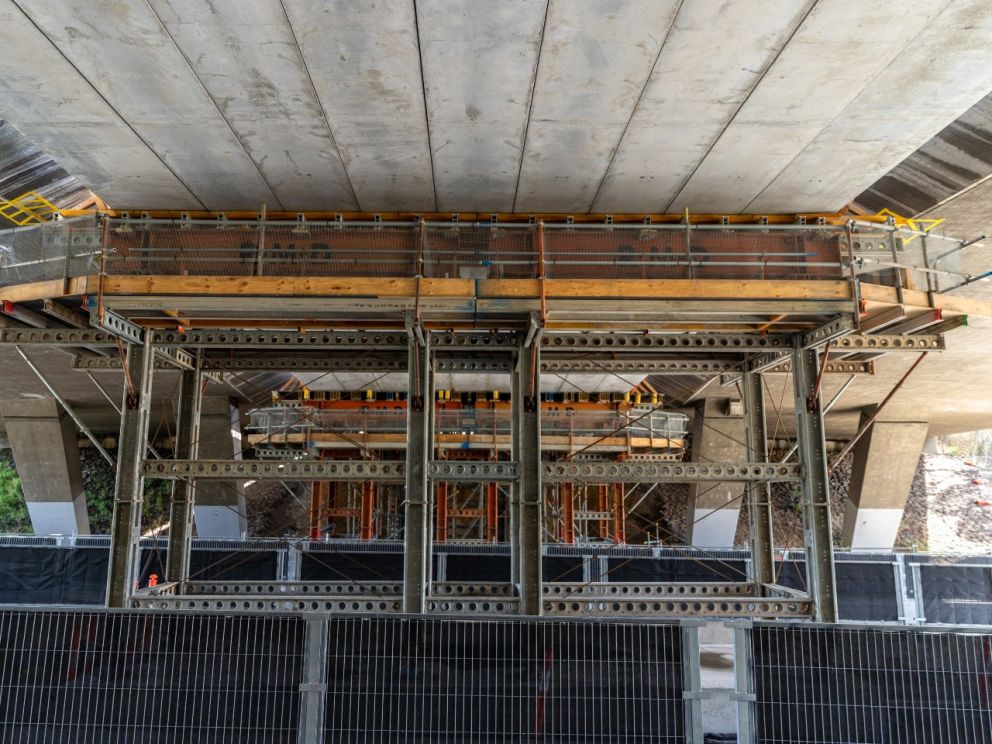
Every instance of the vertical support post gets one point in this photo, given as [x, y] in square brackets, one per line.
[492, 512]
[184, 490]
[759, 497]
[567, 495]
[527, 430]
[129, 489]
[743, 680]
[313, 689]
[441, 504]
[692, 682]
[619, 515]
[815, 486]
[367, 516]
[416, 541]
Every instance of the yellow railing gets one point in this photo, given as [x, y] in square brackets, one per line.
[27, 209]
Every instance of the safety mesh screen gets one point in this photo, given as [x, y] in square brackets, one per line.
[863, 685]
[50, 251]
[466, 251]
[245, 250]
[624, 253]
[429, 680]
[88, 677]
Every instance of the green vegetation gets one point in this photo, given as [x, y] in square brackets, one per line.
[13, 511]
[98, 483]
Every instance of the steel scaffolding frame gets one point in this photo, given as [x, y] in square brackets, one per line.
[524, 473]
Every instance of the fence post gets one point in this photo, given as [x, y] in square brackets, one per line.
[743, 680]
[313, 688]
[692, 692]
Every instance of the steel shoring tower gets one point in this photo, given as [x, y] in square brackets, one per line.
[528, 324]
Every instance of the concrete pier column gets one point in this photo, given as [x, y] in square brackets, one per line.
[219, 508]
[44, 441]
[885, 461]
[717, 436]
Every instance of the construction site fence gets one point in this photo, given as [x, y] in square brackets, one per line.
[104, 675]
[904, 588]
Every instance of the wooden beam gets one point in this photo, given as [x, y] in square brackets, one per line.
[950, 303]
[715, 289]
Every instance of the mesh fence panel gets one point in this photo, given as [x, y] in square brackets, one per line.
[244, 250]
[470, 251]
[668, 253]
[129, 677]
[50, 251]
[480, 253]
[860, 685]
[426, 680]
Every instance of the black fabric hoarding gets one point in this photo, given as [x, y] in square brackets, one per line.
[53, 575]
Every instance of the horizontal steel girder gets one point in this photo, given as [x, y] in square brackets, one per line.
[456, 470]
[879, 343]
[286, 470]
[668, 472]
[484, 606]
[833, 367]
[553, 472]
[397, 363]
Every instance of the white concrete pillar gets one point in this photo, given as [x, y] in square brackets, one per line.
[885, 461]
[46, 453]
[219, 508]
[714, 508]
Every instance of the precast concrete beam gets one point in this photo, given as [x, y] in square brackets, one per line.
[885, 461]
[262, 88]
[479, 61]
[593, 67]
[46, 454]
[127, 55]
[364, 60]
[713, 57]
[840, 48]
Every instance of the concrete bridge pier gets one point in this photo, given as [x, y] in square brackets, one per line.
[219, 508]
[714, 508]
[885, 461]
[46, 452]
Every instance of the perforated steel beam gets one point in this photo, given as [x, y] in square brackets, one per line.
[815, 486]
[668, 472]
[417, 505]
[622, 342]
[856, 343]
[184, 489]
[285, 470]
[129, 488]
[527, 431]
[471, 471]
[759, 495]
